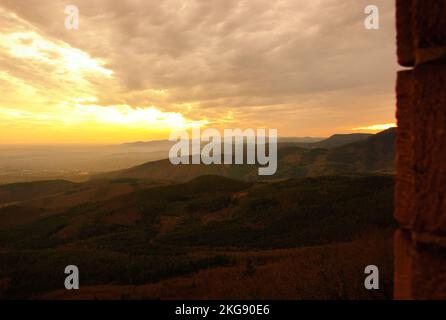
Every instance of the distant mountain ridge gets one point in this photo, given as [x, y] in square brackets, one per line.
[129, 232]
[335, 140]
[366, 154]
[338, 140]
[164, 143]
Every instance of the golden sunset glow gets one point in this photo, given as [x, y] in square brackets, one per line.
[113, 82]
[376, 127]
[93, 123]
[58, 105]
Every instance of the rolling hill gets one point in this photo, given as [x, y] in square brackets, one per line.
[31, 190]
[338, 140]
[147, 229]
[368, 154]
[18, 202]
[173, 231]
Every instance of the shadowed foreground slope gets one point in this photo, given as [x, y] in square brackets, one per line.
[228, 227]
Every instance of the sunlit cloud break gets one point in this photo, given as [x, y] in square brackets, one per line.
[376, 127]
[246, 64]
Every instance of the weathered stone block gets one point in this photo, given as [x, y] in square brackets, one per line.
[404, 26]
[420, 208]
[429, 29]
[403, 265]
[405, 175]
[429, 143]
[429, 272]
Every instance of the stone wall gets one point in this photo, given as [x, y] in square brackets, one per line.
[420, 199]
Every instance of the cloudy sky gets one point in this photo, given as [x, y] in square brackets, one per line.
[138, 69]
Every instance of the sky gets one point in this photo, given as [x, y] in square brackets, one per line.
[140, 69]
